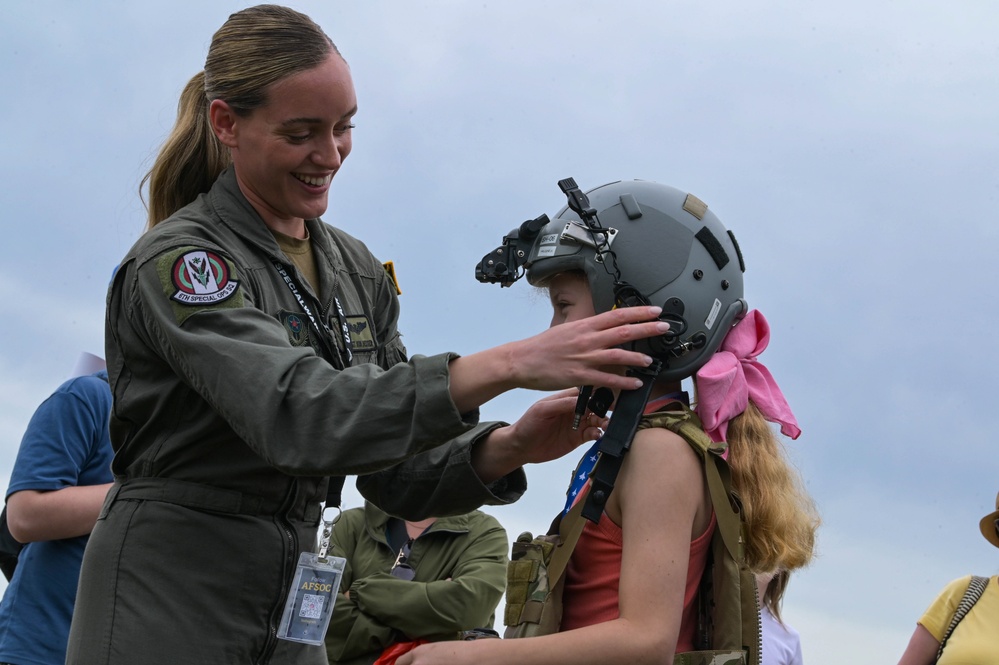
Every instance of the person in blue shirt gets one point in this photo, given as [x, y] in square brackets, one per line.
[61, 475]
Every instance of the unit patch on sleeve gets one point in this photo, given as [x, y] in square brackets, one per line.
[197, 279]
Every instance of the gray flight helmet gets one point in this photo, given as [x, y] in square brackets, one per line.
[666, 245]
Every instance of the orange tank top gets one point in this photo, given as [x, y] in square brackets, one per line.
[594, 570]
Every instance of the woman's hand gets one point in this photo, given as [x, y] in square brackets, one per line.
[542, 434]
[586, 352]
[579, 353]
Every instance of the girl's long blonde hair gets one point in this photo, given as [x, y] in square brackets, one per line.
[781, 518]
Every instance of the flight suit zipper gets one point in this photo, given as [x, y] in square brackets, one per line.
[292, 550]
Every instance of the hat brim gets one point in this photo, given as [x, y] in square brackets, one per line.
[989, 528]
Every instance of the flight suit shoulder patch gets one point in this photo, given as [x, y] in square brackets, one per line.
[197, 279]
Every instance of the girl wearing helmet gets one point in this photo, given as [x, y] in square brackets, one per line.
[632, 581]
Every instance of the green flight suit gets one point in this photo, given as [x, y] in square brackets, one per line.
[226, 422]
[460, 574]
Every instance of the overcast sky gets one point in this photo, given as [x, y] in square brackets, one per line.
[851, 146]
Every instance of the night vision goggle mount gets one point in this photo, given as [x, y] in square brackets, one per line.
[505, 264]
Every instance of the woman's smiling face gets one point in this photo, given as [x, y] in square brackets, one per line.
[286, 152]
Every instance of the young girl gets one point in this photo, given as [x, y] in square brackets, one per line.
[631, 584]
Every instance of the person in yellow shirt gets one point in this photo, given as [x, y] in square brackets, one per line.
[975, 639]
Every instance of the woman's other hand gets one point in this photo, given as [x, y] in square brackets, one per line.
[542, 434]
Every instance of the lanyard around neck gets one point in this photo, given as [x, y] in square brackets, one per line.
[323, 332]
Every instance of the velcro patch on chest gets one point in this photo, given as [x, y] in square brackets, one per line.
[196, 279]
[296, 326]
[362, 335]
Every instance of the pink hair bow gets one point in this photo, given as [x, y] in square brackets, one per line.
[734, 376]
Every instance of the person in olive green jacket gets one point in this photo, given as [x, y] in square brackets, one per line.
[253, 351]
[430, 579]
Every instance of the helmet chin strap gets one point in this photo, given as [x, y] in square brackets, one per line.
[616, 441]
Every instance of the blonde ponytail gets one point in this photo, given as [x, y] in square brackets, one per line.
[189, 161]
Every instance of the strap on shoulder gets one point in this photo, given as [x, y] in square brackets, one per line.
[687, 425]
[976, 588]
[570, 529]
[616, 441]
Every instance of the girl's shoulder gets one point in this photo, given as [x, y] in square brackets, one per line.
[662, 469]
[660, 457]
[658, 443]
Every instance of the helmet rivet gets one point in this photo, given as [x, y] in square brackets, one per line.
[698, 274]
[725, 285]
[520, 253]
[491, 262]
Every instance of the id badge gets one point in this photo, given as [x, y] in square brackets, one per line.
[310, 602]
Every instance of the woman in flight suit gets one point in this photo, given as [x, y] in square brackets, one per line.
[253, 352]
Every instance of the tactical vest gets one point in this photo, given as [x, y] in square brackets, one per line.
[728, 605]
